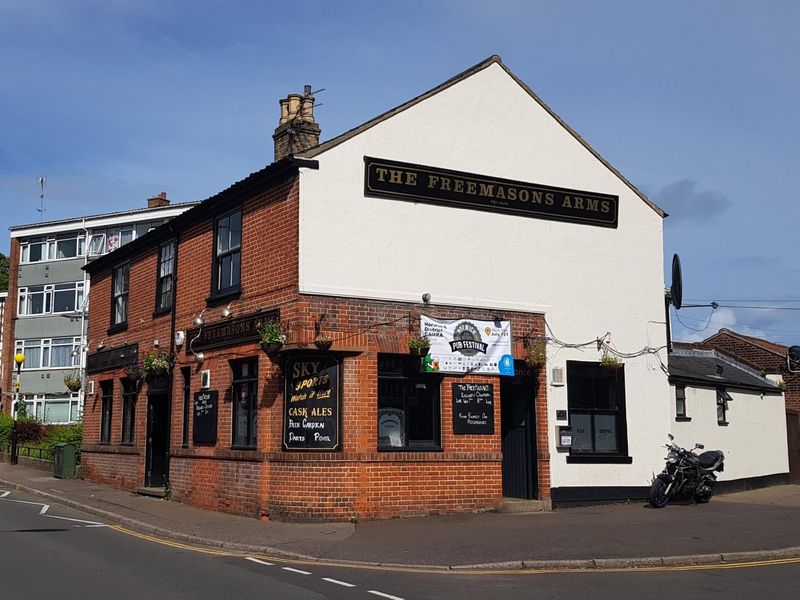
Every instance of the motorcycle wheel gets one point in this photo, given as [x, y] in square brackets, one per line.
[705, 495]
[658, 496]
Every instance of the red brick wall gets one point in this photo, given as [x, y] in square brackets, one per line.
[356, 482]
[759, 358]
[9, 318]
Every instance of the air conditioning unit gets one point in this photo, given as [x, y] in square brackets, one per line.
[89, 388]
[205, 379]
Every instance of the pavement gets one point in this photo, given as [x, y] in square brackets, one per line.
[744, 526]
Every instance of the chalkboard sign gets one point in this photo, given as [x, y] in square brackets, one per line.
[311, 403]
[205, 416]
[473, 408]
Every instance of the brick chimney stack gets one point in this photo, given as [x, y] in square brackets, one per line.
[158, 201]
[297, 129]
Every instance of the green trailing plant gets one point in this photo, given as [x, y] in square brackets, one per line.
[273, 335]
[782, 385]
[72, 382]
[135, 371]
[609, 361]
[537, 354]
[167, 490]
[155, 362]
[419, 345]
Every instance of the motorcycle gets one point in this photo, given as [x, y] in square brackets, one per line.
[688, 473]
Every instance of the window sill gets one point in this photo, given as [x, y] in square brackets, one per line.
[117, 328]
[217, 298]
[162, 311]
[599, 459]
[683, 419]
[722, 423]
[245, 448]
[410, 449]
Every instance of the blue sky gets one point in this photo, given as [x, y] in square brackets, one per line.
[695, 102]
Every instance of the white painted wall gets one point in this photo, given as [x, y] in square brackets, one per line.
[587, 280]
[754, 441]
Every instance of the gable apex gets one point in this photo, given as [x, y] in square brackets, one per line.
[494, 59]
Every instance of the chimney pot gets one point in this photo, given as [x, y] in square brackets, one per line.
[297, 130]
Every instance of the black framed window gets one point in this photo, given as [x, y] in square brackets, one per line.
[228, 253]
[166, 277]
[245, 402]
[680, 403]
[129, 393]
[409, 405]
[722, 406]
[119, 296]
[596, 399]
[186, 372]
[106, 403]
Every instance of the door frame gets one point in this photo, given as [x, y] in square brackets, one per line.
[157, 400]
[523, 371]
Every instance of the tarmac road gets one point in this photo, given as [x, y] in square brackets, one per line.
[62, 553]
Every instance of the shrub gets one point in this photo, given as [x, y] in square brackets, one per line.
[6, 424]
[28, 430]
[53, 434]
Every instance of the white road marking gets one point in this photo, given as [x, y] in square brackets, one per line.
[295, 570]
[89, 523]
[261, 562]
[337, 582]
[46, 507]
[377, 593]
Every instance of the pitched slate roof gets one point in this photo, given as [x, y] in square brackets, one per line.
[494, 59]
[709, 368]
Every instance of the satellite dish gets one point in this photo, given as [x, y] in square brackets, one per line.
[676, 291]
[793, 360]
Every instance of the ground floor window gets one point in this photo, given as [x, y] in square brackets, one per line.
[53, 408]
[722, 406]
[680, 401]
[245, 402]
[596, 399]
[409, 405]
[106, 402]
[129, 393]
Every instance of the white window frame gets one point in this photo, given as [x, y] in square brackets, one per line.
[49, 299]
[45, 346]
[36, 406]
[51, 243]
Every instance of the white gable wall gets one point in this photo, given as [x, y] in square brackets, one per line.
[754, 440]
[587, 280]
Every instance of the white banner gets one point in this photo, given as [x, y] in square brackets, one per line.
[468, 346]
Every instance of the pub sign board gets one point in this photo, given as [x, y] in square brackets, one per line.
[204, 425]
[114, 358]
[434, 185]
[230, 331]
[473, 408]
[311, 403]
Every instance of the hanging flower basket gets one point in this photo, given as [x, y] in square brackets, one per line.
[271, 347]
[135, 371]
[73, 383]
[273, 336]
[323, 342]
[155, 364]
[610, 361]
[419, 346]
[537, 354]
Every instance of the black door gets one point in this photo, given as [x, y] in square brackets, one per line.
[157, 459]
[518, 415]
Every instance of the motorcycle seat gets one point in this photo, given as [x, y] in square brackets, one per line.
[711, 460]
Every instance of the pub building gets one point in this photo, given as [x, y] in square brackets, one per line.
[472, 216]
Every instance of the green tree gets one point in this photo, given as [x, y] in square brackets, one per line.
[3, 272]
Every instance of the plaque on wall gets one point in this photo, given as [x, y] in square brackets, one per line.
[473, 408]
[311, 403]
[205, 417]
